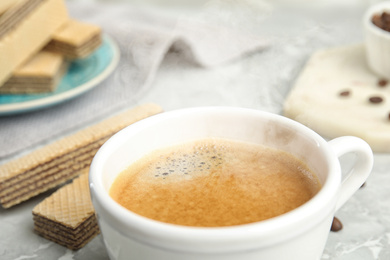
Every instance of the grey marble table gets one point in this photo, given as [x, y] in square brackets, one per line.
[260, 81]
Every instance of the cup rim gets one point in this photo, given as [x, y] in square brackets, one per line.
[321, 205]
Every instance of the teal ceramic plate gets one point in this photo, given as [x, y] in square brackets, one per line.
[82, 75]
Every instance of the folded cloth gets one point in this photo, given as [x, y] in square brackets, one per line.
[144, 38]
[198, 42]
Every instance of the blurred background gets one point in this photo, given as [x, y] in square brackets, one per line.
[276, 37]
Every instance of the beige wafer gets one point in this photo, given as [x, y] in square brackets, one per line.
[22, 39]
[40, 74]
[67, 217]
[13, 12]
[75, 39]
[54, 229]
[5, 4]
[54, 164]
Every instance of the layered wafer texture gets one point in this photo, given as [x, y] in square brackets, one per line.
[25, 28]
[75, 39]
[5, 5]
[58, 162]
[67, 217]
[13, 12]
[40, 74]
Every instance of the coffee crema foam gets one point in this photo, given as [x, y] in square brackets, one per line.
[214, 183]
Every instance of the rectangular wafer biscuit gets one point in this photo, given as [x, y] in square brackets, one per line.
[5, 4]
[13, 13]
[67, 217]
[55, 163]
[21, 38]
[76, 39]
[41, 73]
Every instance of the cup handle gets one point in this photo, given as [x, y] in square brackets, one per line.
[355, 178]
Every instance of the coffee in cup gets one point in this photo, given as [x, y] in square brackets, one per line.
[215, 182]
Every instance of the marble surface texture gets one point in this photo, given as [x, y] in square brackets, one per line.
[260, 81]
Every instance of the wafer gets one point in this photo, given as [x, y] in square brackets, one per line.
[14, 12]
[67, 217]
[5, 4]
[40, 74]
[76, 39]
[337, 94]
[55, 163]
[23, 34]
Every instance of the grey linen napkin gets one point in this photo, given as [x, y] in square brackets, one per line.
[144, 38]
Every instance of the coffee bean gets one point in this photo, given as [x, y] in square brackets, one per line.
[382, 83]
[345, 93]
[336, 225]
[376, 19]
[375, 100]
[382, 21]
[385, 17]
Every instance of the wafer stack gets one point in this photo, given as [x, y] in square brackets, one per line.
[60, 161]
[40, 74]
[76, 39]
[26, 26]
[67, 217]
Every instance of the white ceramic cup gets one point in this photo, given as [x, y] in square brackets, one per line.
[299, 234]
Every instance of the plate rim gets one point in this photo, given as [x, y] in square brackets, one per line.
[31, 105]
